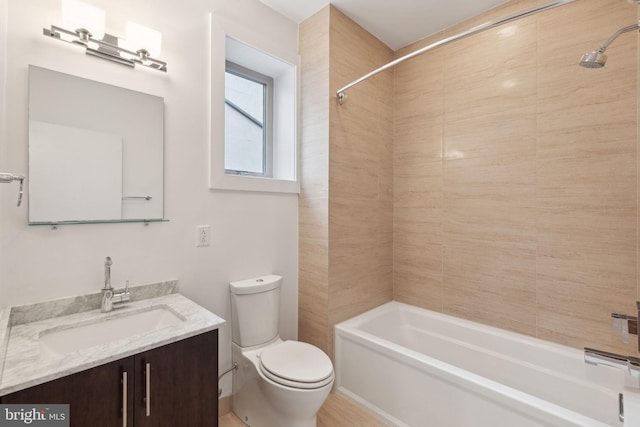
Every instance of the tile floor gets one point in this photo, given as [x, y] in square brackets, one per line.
[337, 411]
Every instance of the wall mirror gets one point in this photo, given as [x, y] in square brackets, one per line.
[96, 151]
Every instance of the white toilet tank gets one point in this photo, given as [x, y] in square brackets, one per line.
[255, 310]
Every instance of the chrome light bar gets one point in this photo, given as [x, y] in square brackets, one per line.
[107, 48]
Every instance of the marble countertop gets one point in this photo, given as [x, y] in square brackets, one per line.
[24, 363]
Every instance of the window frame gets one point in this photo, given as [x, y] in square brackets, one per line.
[275, 56]
[267, 124]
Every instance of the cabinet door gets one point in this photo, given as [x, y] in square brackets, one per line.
[177, 385]
[95, 396]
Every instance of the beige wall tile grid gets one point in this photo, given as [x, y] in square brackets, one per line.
[512, 195]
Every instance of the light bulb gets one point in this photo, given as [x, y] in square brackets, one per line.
[76, 15]
[141, 37]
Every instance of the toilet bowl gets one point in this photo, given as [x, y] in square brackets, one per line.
[277, 383]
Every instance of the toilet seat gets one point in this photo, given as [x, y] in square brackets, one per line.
[297, 364]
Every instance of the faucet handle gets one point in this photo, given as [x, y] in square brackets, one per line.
[122, 296]
[638, 307]
[107, 301]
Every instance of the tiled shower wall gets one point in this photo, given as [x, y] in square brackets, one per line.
[514, 178]
[360, 176]
[346, 203]
[313, 205]
[515, 175]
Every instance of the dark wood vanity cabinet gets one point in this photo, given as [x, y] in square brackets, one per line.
[183, 384]
[95, 396]
[173, 385]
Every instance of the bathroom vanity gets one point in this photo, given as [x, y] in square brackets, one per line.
[153, 362]
[172, 385]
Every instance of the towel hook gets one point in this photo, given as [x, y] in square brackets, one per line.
[8, 178]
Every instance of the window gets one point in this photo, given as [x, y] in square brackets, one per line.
[248, 126]
[253, 106]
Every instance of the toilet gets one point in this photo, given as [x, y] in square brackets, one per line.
[278, 383]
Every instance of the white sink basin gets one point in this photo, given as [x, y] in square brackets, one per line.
[76, 337]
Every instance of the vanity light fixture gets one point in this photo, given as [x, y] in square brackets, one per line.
[107, 48]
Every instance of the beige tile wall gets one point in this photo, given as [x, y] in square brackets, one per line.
[586, 176]
[360, 175]
[313, 250]
[346, 205]
[515, 175]
[511, 197]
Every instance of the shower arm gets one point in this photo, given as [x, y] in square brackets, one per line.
[475, 30]
[615, 35]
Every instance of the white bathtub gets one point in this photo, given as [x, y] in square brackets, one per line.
[415, 367]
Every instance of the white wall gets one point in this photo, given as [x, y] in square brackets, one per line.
[3, 133]
[251, 234]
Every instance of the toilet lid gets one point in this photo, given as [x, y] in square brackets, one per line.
[298, 362]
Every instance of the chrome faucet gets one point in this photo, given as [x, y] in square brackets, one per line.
[604, 358]
[107, 274]
[627, 324]
[109, 297]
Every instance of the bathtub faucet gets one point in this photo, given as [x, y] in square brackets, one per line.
[599, 357]
[626, 325]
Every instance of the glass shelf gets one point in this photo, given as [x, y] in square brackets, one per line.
[115, 221]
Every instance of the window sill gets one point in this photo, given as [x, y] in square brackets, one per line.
[253, 183]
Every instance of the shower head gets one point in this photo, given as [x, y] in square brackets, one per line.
[597, 58]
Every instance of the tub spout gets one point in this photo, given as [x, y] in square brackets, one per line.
[599, 357]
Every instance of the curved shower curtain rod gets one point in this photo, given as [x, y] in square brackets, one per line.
[475, 30]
